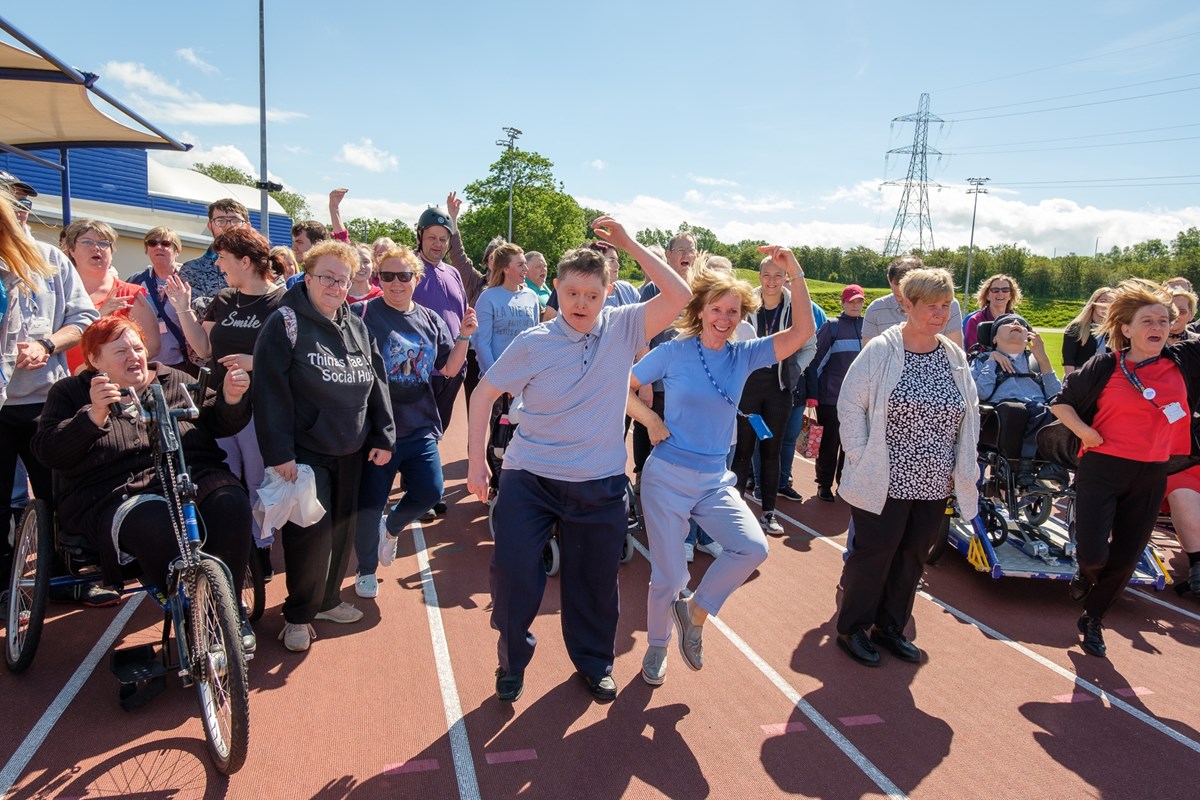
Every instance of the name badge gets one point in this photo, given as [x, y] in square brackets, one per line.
[1149, 393]
[39, 327]
[1174, 412]
[162, 327]
[760, 426]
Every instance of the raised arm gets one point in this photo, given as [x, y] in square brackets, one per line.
[473, 282]
[791, 338]
[335, 215]
[673, 294]
[179, 294]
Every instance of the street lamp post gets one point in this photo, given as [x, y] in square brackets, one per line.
[976, 189]
[510, 143]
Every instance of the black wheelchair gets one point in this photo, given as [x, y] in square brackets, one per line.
[198, 603]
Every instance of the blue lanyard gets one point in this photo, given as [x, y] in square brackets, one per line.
[703, 363]
[1136, 381]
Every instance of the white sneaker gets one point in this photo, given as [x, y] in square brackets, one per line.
[387, 545]
[689, 551]
[712, 548]
[769, 523]
[366, 586]
[342, 614]
[296, 636]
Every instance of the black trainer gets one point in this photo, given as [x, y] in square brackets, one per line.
[1079, 587]
[509, 688]
[790, 493]
[858, 646]
[1193, 579]
[603, 689]
[439, 507]
[91, 595]
[825, 493]
[1093, 636]
[894, 639]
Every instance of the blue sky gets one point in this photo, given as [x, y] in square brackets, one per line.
[756, 119]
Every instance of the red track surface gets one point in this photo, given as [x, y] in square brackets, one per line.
[777, 711]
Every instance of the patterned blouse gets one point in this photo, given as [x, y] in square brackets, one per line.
[205, 279]
[924, 414]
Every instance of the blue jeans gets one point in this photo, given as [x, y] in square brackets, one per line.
[420, 469]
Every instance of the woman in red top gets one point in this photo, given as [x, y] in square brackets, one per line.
[90, 244]
[1130, 409]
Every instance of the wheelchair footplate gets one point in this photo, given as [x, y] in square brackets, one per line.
[141, 673]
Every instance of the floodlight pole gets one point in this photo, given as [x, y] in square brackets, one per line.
[264, 216]
[976, 189]
[510, 143]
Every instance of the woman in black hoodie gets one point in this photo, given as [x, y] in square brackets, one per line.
[320, 399]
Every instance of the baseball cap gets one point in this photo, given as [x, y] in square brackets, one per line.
[13, 182]
[852, 292]
[1008, 319]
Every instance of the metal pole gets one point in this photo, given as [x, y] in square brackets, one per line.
[510, 143]
[976, 189]
[264, 220]
[66, 187]
[510, 195]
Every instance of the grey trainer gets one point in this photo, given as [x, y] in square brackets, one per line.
[691, 645]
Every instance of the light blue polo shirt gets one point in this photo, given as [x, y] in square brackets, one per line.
[700, 420]
[573, 388]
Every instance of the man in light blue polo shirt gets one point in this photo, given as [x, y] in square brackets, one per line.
[565, 467]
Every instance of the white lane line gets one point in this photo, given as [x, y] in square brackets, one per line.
[37, 735]
[460, 745]
[1116, 702]
[1163, 603]
[825, 726]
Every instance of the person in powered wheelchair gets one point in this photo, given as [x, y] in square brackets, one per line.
[107, 491]
[1016, 381]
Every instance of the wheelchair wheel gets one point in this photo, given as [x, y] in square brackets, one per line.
[491, 513]
[994, 524]
[1038, 510]
[29, 587]
[633, 511]
[627, 549]
[254, 587]
[550, 557]
[218, 668]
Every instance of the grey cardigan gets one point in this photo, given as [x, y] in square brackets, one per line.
[862, 414]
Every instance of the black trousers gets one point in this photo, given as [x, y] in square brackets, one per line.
[316, 557]
[641, 437]
[830, 457]
[18, 423]
[1116, 506]
[590, 519]
[471, 376]
[762, 396]
[146, 535]
[879, 578]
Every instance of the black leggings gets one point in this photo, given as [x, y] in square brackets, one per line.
[1116, 506]
[146, 534]
[762, 396]
[641, 437]
[830, 458]
[18, 423]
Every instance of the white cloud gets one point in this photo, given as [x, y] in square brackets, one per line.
[295, 149]
[367, 156]
[189, 55]
[165, 103]
[703, 181]
[597, 164]
[370, 208]
[225, 154]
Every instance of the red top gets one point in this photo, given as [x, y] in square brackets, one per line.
[120, 289]
[1131, 426]
[371, 295]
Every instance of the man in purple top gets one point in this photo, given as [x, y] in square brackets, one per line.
[442, 292]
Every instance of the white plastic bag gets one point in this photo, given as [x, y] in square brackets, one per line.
[281, 501]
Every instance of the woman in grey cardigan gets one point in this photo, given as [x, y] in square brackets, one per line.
[909, 420]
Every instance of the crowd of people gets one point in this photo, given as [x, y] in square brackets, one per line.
[337, 366]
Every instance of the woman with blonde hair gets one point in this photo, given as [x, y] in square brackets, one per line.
[999, 294]
[1081, 339]
[1131, 409]
[909, 423]
[703, 371]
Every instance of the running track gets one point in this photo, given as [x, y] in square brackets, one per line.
[402, 705]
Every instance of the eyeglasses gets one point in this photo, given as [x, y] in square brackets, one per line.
[1001, 289]
[690, 252]
[103, 244]
[329, 280]
[24, 204]
[404, 277]
[225, 222]
[157, 243]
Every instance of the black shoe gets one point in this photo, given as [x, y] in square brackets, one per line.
[1093, 636]
[264, 558]
[894, 639]
[1193, 579]
[91, 595]
[603, 689]
[439, 507]
[858, 646]
[1079, 587]
[249, 640]
[509, 688]
[790, 493]
[825, 493]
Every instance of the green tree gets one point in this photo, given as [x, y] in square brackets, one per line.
[295, 205]
[368, 230]
[545, 217]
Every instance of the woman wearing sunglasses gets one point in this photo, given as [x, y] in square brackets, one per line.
[414, 342]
